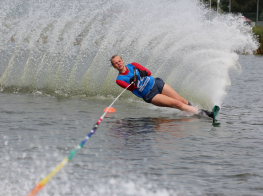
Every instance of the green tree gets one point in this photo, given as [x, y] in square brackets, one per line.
[243, 6]
[224, 5]
[213, 4]
[247, 7]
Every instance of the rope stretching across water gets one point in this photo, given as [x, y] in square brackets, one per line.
[45, 180]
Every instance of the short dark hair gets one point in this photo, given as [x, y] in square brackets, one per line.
[114, 57]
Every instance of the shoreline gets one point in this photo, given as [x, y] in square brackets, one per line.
[258, 31]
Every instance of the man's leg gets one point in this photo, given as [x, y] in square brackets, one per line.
[165, 101]
[168, 91]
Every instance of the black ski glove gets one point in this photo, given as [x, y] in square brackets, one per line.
[143, 73]
[134, 79]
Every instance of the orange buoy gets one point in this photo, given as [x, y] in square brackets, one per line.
[111, 109]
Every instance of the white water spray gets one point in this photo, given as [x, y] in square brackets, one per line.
[64, 47]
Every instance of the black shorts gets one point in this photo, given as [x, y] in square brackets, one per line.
[156, 89]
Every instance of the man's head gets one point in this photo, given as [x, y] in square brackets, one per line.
[113, 57]
[117, 63]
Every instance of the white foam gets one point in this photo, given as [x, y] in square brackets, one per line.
[63, 48]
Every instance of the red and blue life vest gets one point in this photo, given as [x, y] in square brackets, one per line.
[144, 84]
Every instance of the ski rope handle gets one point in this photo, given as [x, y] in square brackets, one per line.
[134, 72]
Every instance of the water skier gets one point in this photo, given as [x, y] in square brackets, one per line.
[150, 89]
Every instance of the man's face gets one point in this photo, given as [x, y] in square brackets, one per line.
[117, 63]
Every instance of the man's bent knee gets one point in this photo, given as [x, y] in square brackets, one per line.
[177, 104]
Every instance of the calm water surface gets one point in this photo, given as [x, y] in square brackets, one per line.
[140, 150]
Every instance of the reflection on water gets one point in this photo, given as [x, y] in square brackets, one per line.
[145, 125]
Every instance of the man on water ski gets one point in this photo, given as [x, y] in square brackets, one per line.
[150, 89]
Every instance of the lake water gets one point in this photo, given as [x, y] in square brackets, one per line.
[139, 150]
[56, 80]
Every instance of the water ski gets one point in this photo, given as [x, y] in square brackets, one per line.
[215, 111]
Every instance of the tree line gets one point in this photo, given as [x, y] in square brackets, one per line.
[237, 6]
